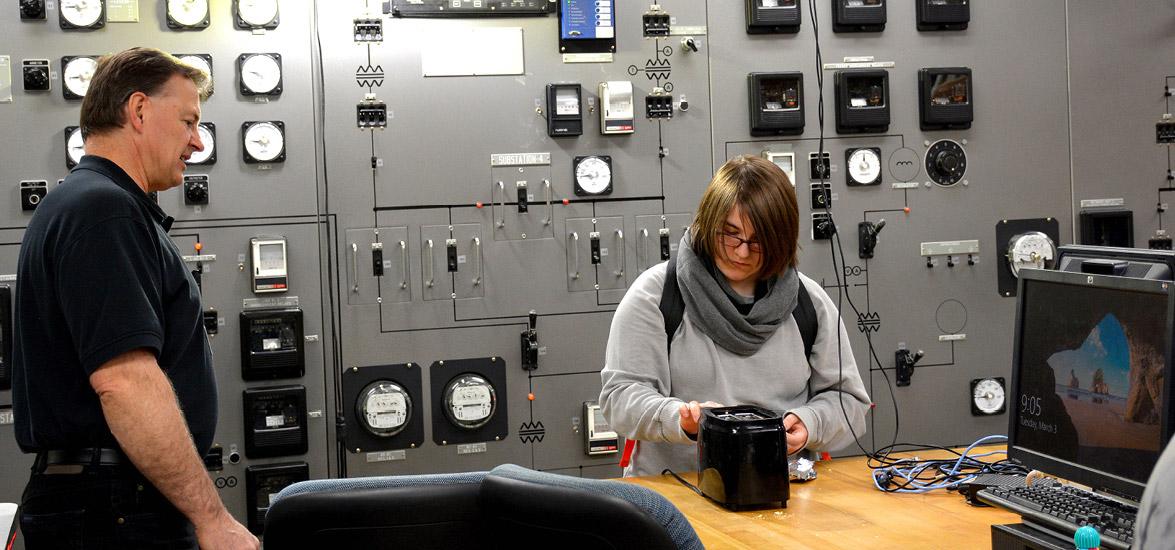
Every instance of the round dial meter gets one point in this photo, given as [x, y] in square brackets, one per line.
[75, 148]
[264, 142]
[470, 401]
[208, 138]
[864, 166]
[384, 407]
[1031, 250]
[257, 13]
[593, 175]
[81, 13]
[77, 74]
[188, 13]
[261, 74]
[987, 396]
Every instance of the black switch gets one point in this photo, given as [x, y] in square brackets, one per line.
[195, 190]
[211, 322]
[32, 9]
[523, 200]
[35, 74]
[377, 259]
[31, 193]
[451, 254]
[594, 236]
[530, 344]
[663, 235]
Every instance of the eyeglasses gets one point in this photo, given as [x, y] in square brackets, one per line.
[732, 241]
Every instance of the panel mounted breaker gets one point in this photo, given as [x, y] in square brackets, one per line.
[564, 110]
[616, 107]
[773, 16]
[943, 15]
[862, 101]
[655, 22]
[858, 15]
[1165, 130]
[659, 104]
[371, 113]
[945, 98]
[272, 344]
[369, 29]
[776, 103]
[275, 421]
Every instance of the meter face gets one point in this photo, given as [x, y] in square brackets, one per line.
[384, 408]
[566, 101]
[950, 89]
[470, 401]
[273, 257]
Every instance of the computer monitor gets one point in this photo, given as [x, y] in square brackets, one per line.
[1092, 377]
[1109, 260]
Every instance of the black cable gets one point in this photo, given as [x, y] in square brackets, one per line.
[692, 487]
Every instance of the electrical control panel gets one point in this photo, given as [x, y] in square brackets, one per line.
[272, 344]
[945, 98]
[776, 102]
[943, 15]
[773, 16]
[858, 15]
[275, 421]
[264, 482]
[862, 101]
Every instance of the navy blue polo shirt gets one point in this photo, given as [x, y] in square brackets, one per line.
[99, 277]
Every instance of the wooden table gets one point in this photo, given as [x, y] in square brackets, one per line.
[839, 509]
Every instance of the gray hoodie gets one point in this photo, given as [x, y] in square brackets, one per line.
[643, 386]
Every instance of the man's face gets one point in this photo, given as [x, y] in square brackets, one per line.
[170, 133]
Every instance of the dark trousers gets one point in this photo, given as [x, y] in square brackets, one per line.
[101, 507]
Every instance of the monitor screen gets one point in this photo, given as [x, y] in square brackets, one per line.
[1090, 377]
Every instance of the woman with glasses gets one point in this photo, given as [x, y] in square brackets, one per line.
[738, 342]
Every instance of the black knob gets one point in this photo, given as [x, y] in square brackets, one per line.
[947, 161]
[36, 78]
[32, 9]
[196, 193]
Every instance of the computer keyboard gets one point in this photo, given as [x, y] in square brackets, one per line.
[1063, 508]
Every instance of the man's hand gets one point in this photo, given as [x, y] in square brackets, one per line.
[691, 413]
[797, 433]
[225, 532]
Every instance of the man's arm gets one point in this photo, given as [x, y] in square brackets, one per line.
[141, 409]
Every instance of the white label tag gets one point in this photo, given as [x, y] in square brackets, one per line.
[275, 421]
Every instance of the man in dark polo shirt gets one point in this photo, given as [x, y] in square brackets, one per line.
[113, 385]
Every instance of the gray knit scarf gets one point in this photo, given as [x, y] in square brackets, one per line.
[707, 299]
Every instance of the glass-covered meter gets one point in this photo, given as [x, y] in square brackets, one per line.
[269, 265]
[470, 401]
[1032, 249]
[384, 407]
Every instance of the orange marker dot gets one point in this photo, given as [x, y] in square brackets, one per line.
[906, 210]
[480, 205]
[530, 396]
[199, 246]
[566, 202]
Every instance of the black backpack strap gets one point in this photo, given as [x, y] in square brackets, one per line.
[805, 316]
[672, 305]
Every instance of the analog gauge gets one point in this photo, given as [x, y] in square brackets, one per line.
[261, 73]
[75, 148]
[264, 142]
[593, 175]
[987, 396]
[1031, 250]
[208, 138]
[384, 408]
[76, 73]
[82, 14]
[864, 166]
[946, 162]
[256, 14]
[187, 14]
[470, 401]
[199, 61]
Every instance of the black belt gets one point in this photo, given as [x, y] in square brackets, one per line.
[95, 456]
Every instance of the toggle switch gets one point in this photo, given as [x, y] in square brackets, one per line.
[451, 254]
[377, 259]
[594, 237]
[663, 235]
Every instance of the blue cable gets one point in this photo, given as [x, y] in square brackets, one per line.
[945, 471]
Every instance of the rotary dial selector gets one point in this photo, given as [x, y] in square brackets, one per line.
[946, 162]
[1031, 250]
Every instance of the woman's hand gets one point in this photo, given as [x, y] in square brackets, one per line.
[691, 414]
[797, 433]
